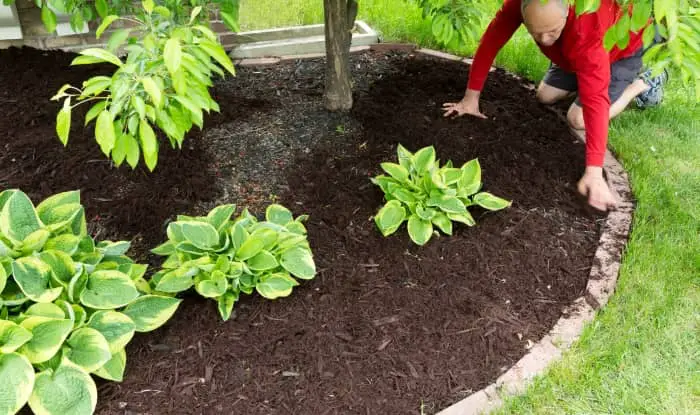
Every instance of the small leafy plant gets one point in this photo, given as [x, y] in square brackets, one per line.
[68, 306]
[421, 192]
[163, 84]
[222, 257]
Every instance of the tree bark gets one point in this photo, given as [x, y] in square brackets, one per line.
[340, 19]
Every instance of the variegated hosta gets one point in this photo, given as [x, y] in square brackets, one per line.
[221, 257]
[418, 190]
[68, 306]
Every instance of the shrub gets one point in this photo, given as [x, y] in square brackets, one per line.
[421, 192]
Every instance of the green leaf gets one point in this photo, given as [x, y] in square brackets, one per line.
[33, 276]
[172, 55]
[213, 287]
[77, 286]
[396, 171]
[443, 222]
[108, 289]
[117, 39]
[48, 310]
[448, 204]
[88, 349]
[200, 234]
[148, 6]
[12, 337]
[162, 10]
[195, 111]
[67, 391]
[110, 248]
[251, 247]
[491, 202]
[470, 181]
[231, 21]
[425, 213]
[65, 243]
[61, 265]
[17, 383]
[102, 56]
[263, 261]
[18, 218]
[96, 85]
[274, 286]
[49, 18]
[94, 111]
[405, 157]
[132, 151]
[35, 241]
[278, 214]
[225, 305]
[424, 159]
[63, 122]
[219, 54]
[104, 132]
[48, 336]
[419, 230]
[640, 15]
[149, 145]
[465, 218]
[220, 215]
[152, 89]
[390, 217]
[649, 35]
[610, 38]
[114, 369]
[299, 262]
[102, 9]
[117, 328]
[151, 311]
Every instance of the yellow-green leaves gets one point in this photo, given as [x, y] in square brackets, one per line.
[427, 195]
[67, 390]
[151, 311]
[104, 132]
[172, 55]
[149, 144]
[153, 90]
[49, 18]
[17, 377]
[63, 122]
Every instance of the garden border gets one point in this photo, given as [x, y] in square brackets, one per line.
[599, 288]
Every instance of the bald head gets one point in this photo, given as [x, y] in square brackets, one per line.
[545, 19]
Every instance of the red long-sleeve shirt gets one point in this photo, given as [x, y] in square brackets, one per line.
[579, 49]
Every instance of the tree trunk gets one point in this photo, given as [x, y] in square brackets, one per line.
[340, 19]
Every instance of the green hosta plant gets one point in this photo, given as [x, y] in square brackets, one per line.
[162, 84]
[68, 305]
[222, 257]
[421, 192]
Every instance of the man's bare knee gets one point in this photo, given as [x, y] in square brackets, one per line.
[575, 117]
[549, 95]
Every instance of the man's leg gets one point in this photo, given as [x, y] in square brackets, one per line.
[575, 114]
[556, 85]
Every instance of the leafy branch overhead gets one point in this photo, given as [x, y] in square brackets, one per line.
[163, 84]
[420, 191]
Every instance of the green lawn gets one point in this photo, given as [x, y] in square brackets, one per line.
[641, 355]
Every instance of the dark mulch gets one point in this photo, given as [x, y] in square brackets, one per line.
[386, 325]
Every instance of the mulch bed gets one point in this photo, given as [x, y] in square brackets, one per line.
[386, 326]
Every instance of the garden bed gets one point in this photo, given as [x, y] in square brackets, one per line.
[386, 326]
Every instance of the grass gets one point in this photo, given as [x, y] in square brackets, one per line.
[641, 355]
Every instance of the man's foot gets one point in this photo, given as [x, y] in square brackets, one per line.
[655, 94]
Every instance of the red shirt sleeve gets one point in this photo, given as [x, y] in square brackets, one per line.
[592, 64]
[497, 34]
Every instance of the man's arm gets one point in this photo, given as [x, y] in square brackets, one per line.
[497, 34]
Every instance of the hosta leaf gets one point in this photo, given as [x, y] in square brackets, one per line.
[405, 157]
[225, 305]
[299, 262]
[48, 336]
[108, 290]
[52, 202]
[220, 215]
[263, 261]
[110, 248]
[202, 235]
[117, 328]
[77, 285]
[274, 286]
[64, 216]
[177, 281]
[404, 195]
[390, 217]
[165, 249]
[35, 241]
[424, 159]
[68, 390]
[490, 202]
[278, 214]
[48, 310]
[33, 276]
[443, 222]
[465, 218]
[470, 182]
[251, 247]
[213, 287]
[114, 369]
[448, 204]
[17, 376]
[18, 218]
[66, 243]
[425, 213]
[151, 311]
[419, 230]
[88, 349]
[62, 266]
[396, 171]
[12, 337]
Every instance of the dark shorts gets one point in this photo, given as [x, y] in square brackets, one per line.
[622, 74]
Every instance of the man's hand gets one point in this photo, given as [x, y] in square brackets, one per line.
[593, 186]
[468, 105]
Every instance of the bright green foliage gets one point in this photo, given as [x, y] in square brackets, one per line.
[68, 305]
[221, 257]
[163, 84]
[426, 195]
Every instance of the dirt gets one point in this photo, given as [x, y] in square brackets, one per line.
[386, 327]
